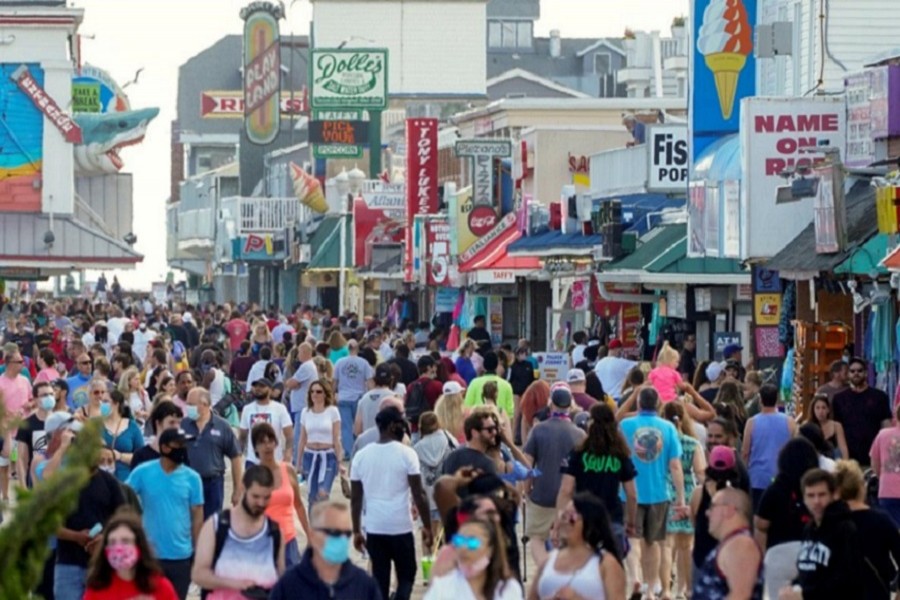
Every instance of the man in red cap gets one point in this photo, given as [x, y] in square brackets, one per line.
[613, 369]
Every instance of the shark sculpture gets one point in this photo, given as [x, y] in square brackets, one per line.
[104, 134]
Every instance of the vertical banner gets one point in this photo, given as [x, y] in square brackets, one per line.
[437, 250]
[262, 71]
[421, 180]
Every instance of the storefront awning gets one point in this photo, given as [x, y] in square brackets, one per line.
[721, 161]
[799, 259]
[326, 245]
[555, 243]
[661, 258]
[642, 212]
[892, 260]
[866, 259]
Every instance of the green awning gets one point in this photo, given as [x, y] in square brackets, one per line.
[661, 257]
[326, 245]
[866, 258]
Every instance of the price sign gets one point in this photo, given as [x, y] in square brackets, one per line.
[340, 133]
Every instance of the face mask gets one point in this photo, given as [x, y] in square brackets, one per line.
[178, 455]
[111, 469]
[193, 413]
[105, 409]
[336, 549]
[205, 368]
[476, 568]
[48, 402]
[122, 556]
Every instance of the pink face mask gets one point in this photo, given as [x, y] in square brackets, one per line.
[122, 557]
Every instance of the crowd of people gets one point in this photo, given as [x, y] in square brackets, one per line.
[624, 479]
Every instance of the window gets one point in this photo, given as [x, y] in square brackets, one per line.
[602, 63]
[524, 34]
[510, 34]
[495, 34]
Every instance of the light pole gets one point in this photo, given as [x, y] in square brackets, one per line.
[342, 182]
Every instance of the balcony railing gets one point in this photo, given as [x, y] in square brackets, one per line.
[619, 172]
[196, 224]
[262, 214]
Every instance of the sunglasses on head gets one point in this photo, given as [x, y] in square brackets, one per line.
[335, 532]
[460, 542]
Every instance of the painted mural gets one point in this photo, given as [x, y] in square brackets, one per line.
[21, 143]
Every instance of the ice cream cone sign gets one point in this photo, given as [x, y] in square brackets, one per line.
[725, 40]
[308, 190]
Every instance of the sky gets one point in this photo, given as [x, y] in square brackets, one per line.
[123, 36]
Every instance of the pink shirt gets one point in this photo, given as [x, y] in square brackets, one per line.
[665, 379]
[886, 450]
[48, 375]
[16, 393]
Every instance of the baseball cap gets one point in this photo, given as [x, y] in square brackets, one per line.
[581, 420]
[731, 349]
[714, 370]
[263, 381]
[58, 420]
[170, 436]
[452, 387]
[575, 376]
[722, 458]
[614, 344]
[383, 374]
[561, 397]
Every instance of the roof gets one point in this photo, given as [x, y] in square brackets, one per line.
[661, 257]
[867, 259]
[721, 161]
[555, 243]
[529, 76]
[606, 44]
[326, 242]
[799, 259]
[76, 245]
[641, 212]
[538, 60]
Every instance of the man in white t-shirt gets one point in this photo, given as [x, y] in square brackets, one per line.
[613, 369]
[263, 410]
[371, 402]
[352, 377]
[382, 477]
[298, 386]
[115, 326]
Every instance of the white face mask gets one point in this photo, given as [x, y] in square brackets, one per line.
[111, 469]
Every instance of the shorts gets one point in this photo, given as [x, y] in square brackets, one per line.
[651, 521]
[538, 520]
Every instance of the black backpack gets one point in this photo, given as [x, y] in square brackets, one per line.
[236, 398]
[224, 525]
[416, 402]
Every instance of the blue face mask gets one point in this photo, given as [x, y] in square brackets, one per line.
[48, 402]
[105, 409]
[193, 413]
[336, 549]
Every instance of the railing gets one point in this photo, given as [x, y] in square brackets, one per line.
[620, 171]
[196, 224]
[262, 214]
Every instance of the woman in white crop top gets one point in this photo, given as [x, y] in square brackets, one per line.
[320, 437]
[588, 565]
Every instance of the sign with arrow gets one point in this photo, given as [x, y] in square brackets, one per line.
[64, 122]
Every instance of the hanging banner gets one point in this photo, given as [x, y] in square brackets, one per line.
[262, 71]
[437, 252]
[422, 178]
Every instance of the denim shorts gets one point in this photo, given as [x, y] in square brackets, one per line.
[312, 467]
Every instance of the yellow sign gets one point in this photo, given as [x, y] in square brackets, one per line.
[768, 309]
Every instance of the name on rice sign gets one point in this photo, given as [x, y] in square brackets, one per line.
[795, 133]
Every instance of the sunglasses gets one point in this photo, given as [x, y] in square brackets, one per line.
[335, 532]
[491, 429]
[98, 392]
[317, 391]
[84, 362]
[460, 542]
[15, 362]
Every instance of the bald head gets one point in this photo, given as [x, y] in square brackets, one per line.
[738, 499]
[392, 401]
[304, 351]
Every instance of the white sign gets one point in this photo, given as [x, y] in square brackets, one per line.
[553, 366]
[483, 153]
[774, 133]
[731, 215]
[667, 153]
[348, 78]
[487, 276]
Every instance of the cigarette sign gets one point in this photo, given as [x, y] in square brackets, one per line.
[67, 127]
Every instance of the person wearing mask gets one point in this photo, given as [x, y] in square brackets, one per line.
[839, 373]
[734, 569]
[764, 437]
[781, 516]
[612, 369]
[370, 403]
[143, 335]
[862, 410]
[251, 559]
[165, 415]
[382, 478]
[124, 565]
[79, 535]
[474, 565]
[213, 442]
[120, 432]
[320, 447]
[352, 378]
[657, 450]
[325, 570]
[286, 501]
[474, 393]
[830, 560]
[548, 444]
[31, 436]
[184, 383]
[263, 410]
[298, 387]
[171, 496]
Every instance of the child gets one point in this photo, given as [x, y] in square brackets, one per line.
[665, 376]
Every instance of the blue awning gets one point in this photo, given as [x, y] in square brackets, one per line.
[720, 161]
[638, 210]
[555, 243]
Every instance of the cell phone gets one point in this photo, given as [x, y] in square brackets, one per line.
[95, 530]
[256, 593]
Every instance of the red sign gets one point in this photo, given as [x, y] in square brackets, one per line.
[437, 248]
[67, 127]
[579, 164]
[230, 104]
[421, 178]
[482, 219]
[378, 218]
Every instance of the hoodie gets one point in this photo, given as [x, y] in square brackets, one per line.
[829, 562]
[432, 450]
[302, 581]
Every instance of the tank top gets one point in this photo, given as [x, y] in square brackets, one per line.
[703, 541]
[281, 505]
[710, 584]
[585, 581]
[770, 434]
[246, 558]
[217, 387]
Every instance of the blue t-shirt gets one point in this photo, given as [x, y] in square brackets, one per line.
[167, 500]
[129, 442]
[78, 390]
[653, 442]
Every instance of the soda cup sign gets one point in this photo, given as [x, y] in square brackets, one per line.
[482, 219]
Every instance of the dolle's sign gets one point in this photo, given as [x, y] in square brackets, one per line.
[345, 78]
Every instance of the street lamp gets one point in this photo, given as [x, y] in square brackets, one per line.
[357, 177]
[342, 183]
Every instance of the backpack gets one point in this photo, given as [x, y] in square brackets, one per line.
[416, 402]
[236, 398]
[431, 473]
[223, 525]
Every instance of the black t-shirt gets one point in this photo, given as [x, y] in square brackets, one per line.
[43, 340]
[710, 394]
[881, 542]
[784, 510]
[482, 337]
[602, 476]
[31, 433]
[142, 455]
[408, 370]
[96, 504]
[861, 414]
[466, 457]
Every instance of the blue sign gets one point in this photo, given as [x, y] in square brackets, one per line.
[723, 67]
[258, 247]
